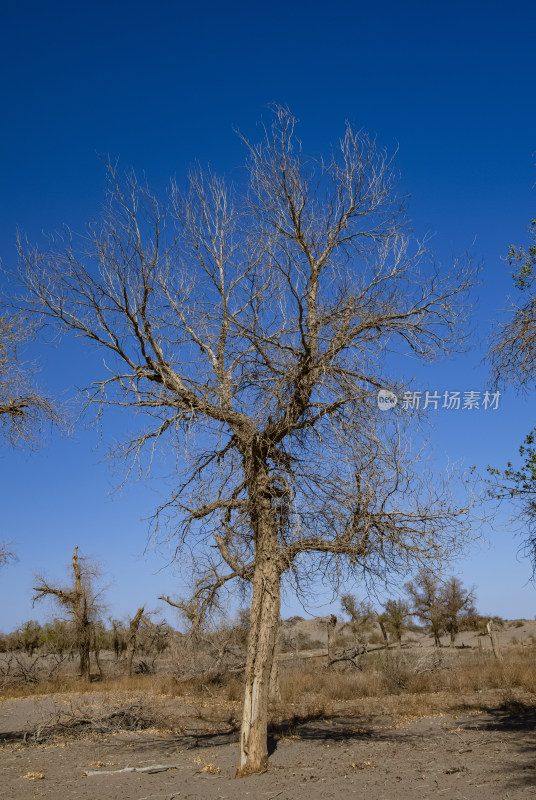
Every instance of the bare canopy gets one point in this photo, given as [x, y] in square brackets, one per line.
[254, 328]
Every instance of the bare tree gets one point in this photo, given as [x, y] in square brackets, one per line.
[361, 614]
[23, 410]
[425, 597]
[456, 602]
[252, 330]
[119, 637]
[394, 618]
[80, 602]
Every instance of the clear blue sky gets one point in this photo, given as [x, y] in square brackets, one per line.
[162, 85]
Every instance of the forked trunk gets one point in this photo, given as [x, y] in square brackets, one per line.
[264, 623]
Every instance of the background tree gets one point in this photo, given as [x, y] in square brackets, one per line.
[457, 603]
[361, 614]
[79, 600]
[30, 636]
[425, 600]
[394, 618]
[252, 328]
[381, 619]
[513, 359]
[118, 638]
[132, 641]
[24, 412]
[58, 636]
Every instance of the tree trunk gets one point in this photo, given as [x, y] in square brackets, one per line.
[84, 642]
[384, 632]
[494, 642]
[275, 688]
[332, 624]
[264, 622]
[96, 650]
[132, 639]
[81, 619]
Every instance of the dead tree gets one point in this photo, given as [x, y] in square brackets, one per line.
[132, 638]
[79, 601]
[251, 326]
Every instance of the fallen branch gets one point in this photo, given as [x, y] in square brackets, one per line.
[150, 770]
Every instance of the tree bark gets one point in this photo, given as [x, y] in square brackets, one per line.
[263, 631]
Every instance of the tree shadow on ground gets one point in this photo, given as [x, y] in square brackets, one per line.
[517, 721]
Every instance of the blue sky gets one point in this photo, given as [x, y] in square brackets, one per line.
[163, 85]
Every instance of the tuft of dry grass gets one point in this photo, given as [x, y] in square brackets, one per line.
[34, 776]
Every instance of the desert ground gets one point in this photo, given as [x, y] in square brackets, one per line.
[451, 723]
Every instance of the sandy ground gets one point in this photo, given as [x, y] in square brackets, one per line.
[484, 754]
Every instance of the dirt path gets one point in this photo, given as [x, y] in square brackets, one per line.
[484, 755]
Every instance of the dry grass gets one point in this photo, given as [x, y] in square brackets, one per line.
[401, 685]
[404, 686]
